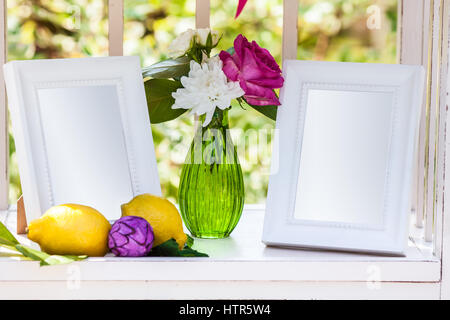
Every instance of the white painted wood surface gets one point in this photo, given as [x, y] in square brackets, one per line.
[4, 154]
[71, 289]
[115, 23]
[240, 258]
[239, 268]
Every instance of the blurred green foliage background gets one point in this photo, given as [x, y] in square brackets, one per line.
[336, 30]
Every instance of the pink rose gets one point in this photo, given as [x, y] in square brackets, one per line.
[255, 69]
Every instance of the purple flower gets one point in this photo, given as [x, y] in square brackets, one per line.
[130, 236]
[255, 69]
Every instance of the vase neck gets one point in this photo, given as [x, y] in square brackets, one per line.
[219, 119]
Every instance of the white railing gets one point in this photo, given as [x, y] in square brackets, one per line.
[4, 148]
[423, 24]
[115, 27]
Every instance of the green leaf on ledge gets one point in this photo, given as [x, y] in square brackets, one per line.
[189, 241]
[170, 249]
[46, 259]
[8, 241]
[6, 237]
[160, 100]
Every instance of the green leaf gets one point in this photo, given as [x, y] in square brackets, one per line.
[6, 237]
[55, 259]
[160, 100]
[189, 252]
[209, 41]
[8, 241]
[268, 111]
[170, 249]
[45, 258]
[189, 241]
[171, 68]
[13, 255]
[32, 253]
[231, 50]
[13, 248]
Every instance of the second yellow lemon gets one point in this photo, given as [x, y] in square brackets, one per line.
[162, 215]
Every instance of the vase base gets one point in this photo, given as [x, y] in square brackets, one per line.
[211, 235]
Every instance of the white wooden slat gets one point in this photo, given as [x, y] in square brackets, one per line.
[442, 105]
[202, 20]
[444, 223]
[176, 269]
[3, 216]
[400, 5]
[206, 290]
[410, 51]
[426, 31]
[115, 22]
[202, 14]
[422, 169]
[428, 56]
[432, 124]
[426, 52]
[4, 153]
[290, 29]
[411, 31]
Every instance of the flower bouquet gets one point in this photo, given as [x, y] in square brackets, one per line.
[211, 191]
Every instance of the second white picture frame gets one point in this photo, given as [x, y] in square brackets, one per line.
[346, 134]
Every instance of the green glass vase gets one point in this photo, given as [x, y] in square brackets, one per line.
[211, 192]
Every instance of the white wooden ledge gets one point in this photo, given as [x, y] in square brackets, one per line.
[241, 258]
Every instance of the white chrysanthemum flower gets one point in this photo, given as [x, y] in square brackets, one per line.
[181, 44]
[205, 89]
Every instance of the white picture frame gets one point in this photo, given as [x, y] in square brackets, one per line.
[82, 133]
[318, 221]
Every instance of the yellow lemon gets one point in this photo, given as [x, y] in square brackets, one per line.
[162, 215]
[71, 229]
